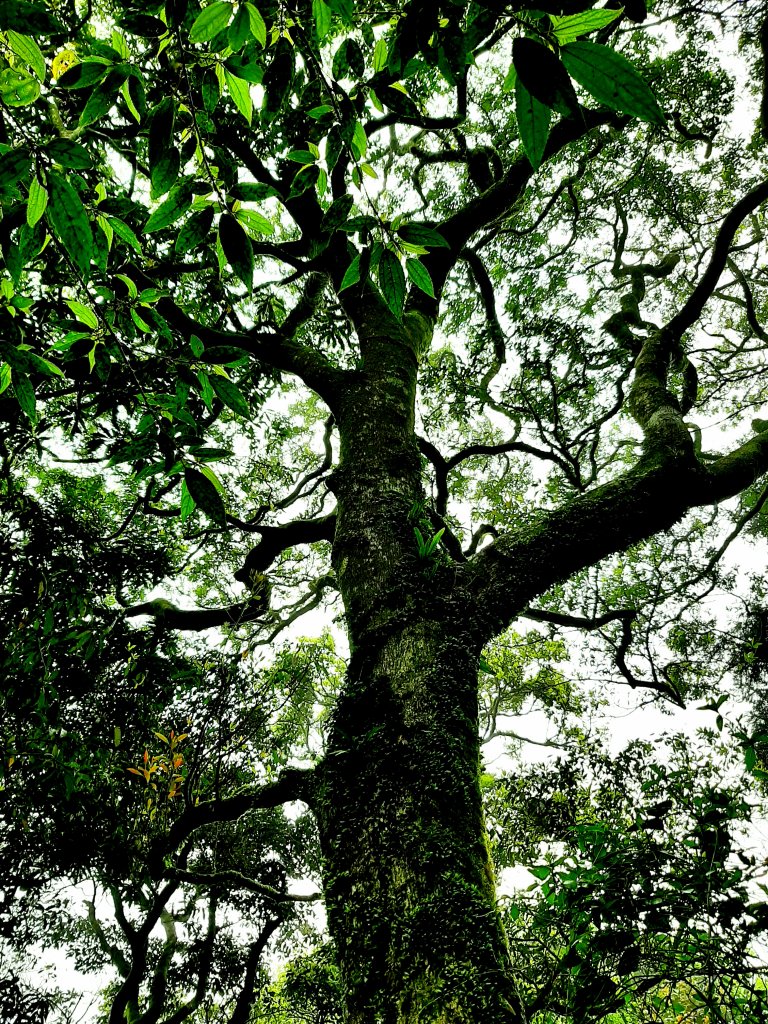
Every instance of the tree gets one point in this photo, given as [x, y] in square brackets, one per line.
[502, 266]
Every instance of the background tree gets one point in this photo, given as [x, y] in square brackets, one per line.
[389, 311]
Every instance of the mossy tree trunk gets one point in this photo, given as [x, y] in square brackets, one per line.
[409, 885]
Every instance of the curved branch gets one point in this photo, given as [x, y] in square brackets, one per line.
[501, 580]
[498, 201]
[237, 880]
[694, 307]
[168, 616]
[293, 784]
[276, 539]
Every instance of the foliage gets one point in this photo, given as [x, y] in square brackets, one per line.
[424, 320]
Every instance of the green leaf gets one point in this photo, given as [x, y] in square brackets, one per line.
[612, 80]
[543, 75]
[68, 154]
[420, 234]
[21, 16]
[25, 394]
[211, 20]
[207, 471]
[103, 97]
[258, 28]
[380, 55]
[509, 81]
[205, 496]
[337, 214]
[224, 355]
[245, 68]
[236, 246]
[419, 274]
[239, 31]
[66, 215]
[17, 88]
[230, 396]
[570, 27]
[323, 16]
[187, 502]
[533, 120]
[161, 151]
[5, 376]
[344, 9]
[45, 366]
[195, 231]
[169, 211]
[122, 231]
[240, 91]
[305, 179]
[83, 313]
[164, 172]
[27, 49]
[14, 164]
[348, 60]
[133, 291]
[252, 192]
[351, 275]
[301, 156]
[254, 222]
[334, 146]
[392, 281]
[37, 202]
[83, 74]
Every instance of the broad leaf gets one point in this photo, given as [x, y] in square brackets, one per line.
[27, 49]
[36, 202]
[68, 154]
[240, 91]
[67, 217]
[421, 234]
[237, 248]
[211, 20]
[351, 275]
[14, 165]
[169, 211]
[392, 281]
[533, 120]
[569, 27]
[419, 274]
[612, 80]
[205, 496]
[544, 76]
[230, 396]
[195, 231]
[17, 88]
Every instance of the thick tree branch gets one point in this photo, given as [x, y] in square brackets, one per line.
[276, 539]
[505, 576]
[168, 616]
[277, 349]
[293, 784]
[237, 880]
[497, 202]
[241, 1013]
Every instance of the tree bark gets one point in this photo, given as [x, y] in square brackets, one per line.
[408, 884]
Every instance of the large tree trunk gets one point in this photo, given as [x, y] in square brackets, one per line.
[409, 885]
[408, 881]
